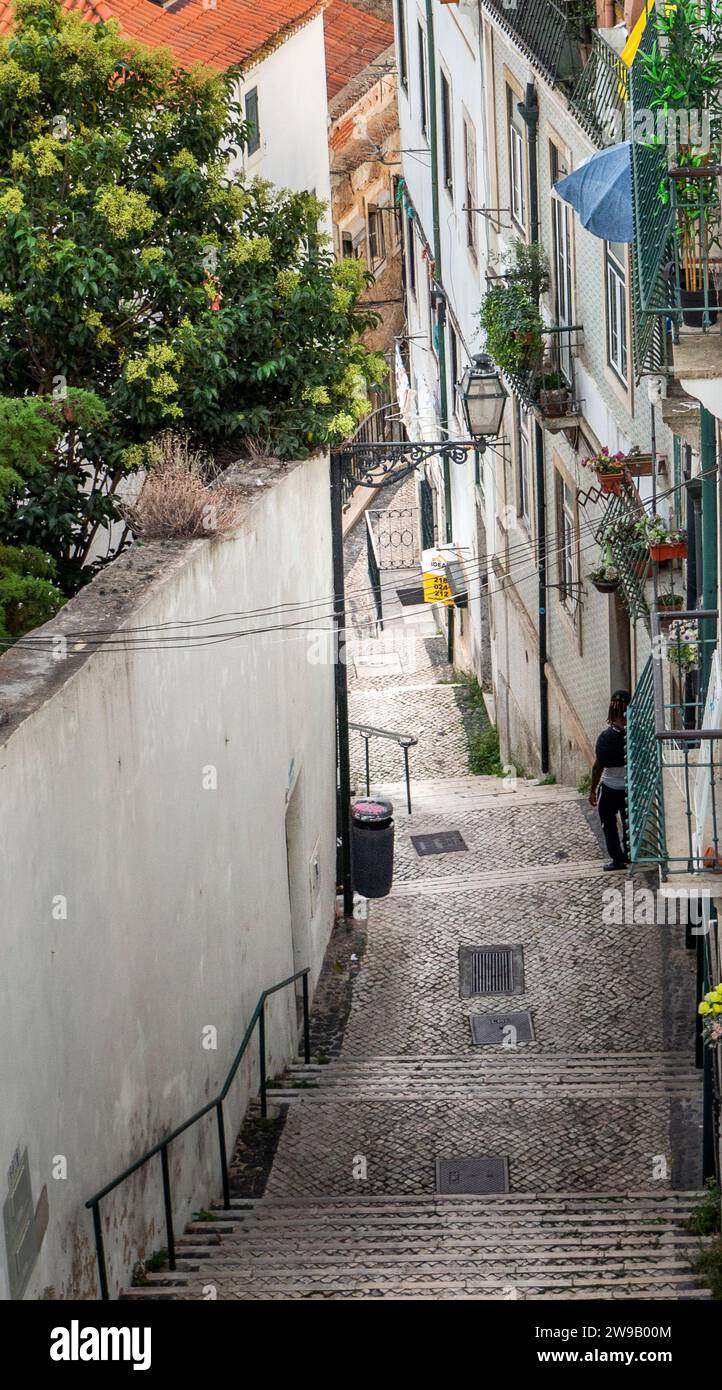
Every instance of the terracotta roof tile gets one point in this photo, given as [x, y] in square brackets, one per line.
[232, 32]
[354, 38]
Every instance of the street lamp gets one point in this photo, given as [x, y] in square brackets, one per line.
[483, 396]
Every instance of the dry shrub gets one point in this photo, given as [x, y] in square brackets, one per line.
[181, 499]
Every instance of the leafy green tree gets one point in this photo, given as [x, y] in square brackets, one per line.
[141, 287]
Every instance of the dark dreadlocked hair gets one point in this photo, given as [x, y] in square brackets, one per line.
[618, 705]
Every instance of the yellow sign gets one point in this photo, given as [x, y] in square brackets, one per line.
[436, 589]
[436, 586]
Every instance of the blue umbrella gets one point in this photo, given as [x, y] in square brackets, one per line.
[600, 191]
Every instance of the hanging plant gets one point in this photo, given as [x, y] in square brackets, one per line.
[513, 327]
[609, 468]
[669, 600]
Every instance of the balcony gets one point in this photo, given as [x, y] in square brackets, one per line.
[678, 242]
[601, 94]
[552, 34]
[673, 752]
[548, 389]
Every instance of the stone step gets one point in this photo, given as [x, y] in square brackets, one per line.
[588, 1060]
[627, 1283]
[490, 1240]
[568, 1201]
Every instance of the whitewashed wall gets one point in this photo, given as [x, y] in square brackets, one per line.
[176, 891]
[293, 115]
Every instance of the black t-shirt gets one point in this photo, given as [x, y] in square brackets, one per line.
[610, 748]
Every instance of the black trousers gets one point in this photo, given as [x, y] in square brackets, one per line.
[612, 804]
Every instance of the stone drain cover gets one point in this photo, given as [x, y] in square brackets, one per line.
[490, 970]
[480, 1175]
[444, 842]
[501, 1030]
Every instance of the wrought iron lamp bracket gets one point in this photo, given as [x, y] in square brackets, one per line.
[382, 464]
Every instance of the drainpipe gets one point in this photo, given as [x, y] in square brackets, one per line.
[440, 317]
[529, 112]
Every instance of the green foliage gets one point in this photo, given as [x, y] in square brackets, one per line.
[144, 286]
[28, 595]
[705, 1219]
[709, 1267]
[528, 264]
[513, 327]
[684, 71]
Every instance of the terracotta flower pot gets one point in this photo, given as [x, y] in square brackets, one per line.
[668, 550]
[556, 402]
[640, 467]
[610, 482]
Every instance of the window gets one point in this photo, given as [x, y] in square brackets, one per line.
[376, 236]
[454, 373]
[516, 164]
[523, 465]
[470, 195]
[562, 266]
[616, 309]
[423, 92]
[348, 251]
[566, 514]
[253, 138]
[447, 148]
[401, 45]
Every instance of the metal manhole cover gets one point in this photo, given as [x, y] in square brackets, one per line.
[411, 596]
[444, 842]
[469, 1175]
[490, 970]
[501, 1030]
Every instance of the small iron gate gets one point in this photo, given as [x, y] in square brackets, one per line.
[395, 531]
[374, 571]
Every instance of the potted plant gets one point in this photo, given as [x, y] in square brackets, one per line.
[609, 469]
[683, 646]
[669, 600]
[527, 264]
[639, 465]
[513, 327]
[606, 578]
[711, 1012]
[554, 394]
[664, 543]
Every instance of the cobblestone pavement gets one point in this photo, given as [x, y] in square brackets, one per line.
[530, 876]
[598, 1116]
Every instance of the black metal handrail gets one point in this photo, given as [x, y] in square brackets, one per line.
[161, 1147]
[405, 741]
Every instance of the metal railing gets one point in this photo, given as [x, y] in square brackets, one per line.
[630, 554]
[556, 364]
[601, 94]
[673, 747]
[380, 426]
[645, 803]
[373, 566]
[405, 741]
[548, 33]
[161, 1147]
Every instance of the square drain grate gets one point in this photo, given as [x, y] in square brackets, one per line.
[480, 1175]
[501, 1030]
[444, 842]
[490, 970]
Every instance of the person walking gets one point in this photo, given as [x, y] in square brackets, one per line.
[609, 781]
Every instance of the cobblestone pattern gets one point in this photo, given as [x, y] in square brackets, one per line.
[573, 1144]
[497, 839]
[433, 716]
[590, 985]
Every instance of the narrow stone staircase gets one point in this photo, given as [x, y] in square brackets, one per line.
[509, 1246]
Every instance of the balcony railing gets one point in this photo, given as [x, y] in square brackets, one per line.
[380, 426]
[674, 747]
[549, 33]
[630, 556]
[601, 95]
[677, 247]
[548, 388]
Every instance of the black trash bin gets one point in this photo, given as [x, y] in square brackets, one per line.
[372, 847]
